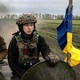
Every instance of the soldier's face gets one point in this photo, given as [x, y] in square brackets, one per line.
[28, 28]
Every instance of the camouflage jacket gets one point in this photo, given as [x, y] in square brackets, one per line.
[3, 48]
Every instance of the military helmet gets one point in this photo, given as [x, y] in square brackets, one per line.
[26, 19]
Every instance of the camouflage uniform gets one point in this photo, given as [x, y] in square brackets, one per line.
[3, 49]
[3, 52]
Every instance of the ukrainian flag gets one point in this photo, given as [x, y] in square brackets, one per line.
[64, 36]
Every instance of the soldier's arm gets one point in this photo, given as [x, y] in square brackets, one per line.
[47, 54]
[3, 49]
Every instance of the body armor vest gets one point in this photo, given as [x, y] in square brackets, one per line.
[28, 52]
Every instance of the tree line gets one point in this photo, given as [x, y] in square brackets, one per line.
[39, 16]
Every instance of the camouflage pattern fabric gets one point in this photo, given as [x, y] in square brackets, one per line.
[26, 19]
[3, 49]
[1, 76]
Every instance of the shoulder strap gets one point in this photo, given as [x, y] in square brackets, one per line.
[18, 37]
[36, 36]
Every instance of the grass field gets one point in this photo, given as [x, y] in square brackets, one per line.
[48, 30]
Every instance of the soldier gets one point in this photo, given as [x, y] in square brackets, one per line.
[25, 47]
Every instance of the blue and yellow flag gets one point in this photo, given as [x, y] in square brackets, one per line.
[64, 36]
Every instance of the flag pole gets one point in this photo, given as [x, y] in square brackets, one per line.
[68, 54]
[69, 6]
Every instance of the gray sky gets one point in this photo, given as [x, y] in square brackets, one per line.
[38, 6]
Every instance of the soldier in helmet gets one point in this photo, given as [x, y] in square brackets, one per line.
[26, 45]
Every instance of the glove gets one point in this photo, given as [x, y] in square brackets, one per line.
[52, 60]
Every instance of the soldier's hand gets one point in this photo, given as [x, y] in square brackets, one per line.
[52, 60]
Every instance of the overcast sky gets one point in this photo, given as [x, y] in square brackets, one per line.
[38, 6]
